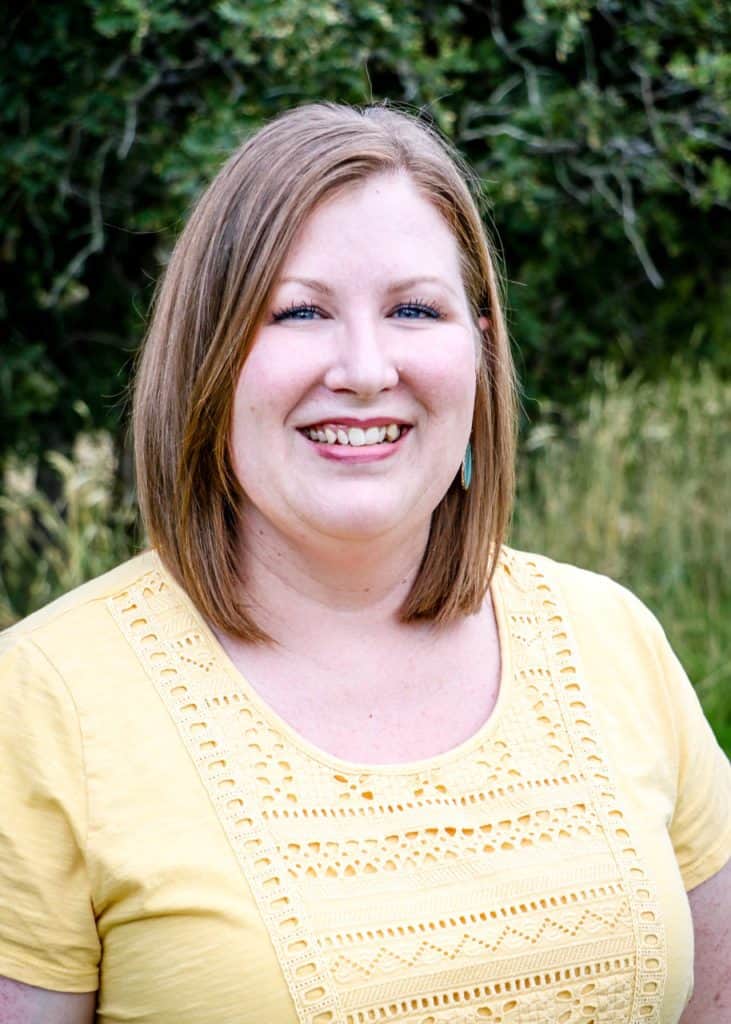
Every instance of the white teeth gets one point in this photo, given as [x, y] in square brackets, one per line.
[355, 436]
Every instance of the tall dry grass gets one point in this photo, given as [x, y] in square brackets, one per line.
[49, 545]
[638, 486]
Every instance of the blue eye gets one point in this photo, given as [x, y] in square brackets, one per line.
[297, 311]
[418, 311]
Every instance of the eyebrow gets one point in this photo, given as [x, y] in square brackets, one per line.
[308, 282]
[396, 286]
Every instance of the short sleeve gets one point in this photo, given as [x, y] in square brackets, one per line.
[700, 828]
[48, 936]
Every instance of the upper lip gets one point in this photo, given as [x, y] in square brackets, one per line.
[351, 421]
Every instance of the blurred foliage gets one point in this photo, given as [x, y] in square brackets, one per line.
[636, 483]
[600, 130]
[52, 542]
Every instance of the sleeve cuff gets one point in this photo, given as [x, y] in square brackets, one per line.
[44, 975]
[709, 864]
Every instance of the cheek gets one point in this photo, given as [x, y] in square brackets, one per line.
[254, 408]
[271, 382]
[446, 375]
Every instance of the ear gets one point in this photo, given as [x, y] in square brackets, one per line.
[484, 324]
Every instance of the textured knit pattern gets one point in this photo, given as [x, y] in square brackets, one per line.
[499, 883]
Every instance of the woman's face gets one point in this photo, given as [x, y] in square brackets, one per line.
[354, 407]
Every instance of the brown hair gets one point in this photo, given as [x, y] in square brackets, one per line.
[209, 304]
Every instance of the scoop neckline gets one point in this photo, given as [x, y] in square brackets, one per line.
[342, 765]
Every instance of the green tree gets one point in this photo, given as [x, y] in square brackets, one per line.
[599, 129]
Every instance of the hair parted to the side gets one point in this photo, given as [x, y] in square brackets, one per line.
[208, 307]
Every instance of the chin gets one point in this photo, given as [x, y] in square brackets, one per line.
[360, 522]
[357, 528]
[371, 512]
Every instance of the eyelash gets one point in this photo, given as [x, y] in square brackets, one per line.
[424, 304]
[294, 307]
[306, 307]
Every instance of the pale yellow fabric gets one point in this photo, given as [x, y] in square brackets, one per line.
[165, 836]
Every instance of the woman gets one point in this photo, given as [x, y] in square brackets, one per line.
[330, 753]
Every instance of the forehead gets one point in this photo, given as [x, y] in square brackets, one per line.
[382, 225]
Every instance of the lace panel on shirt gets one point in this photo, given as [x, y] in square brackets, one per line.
[500, 885]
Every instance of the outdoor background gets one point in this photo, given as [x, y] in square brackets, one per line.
[601, 133]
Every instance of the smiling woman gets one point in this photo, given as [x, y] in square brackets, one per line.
[370, 330]
[330, 752]
[326, 221]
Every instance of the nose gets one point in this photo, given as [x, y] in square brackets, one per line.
[363, 362]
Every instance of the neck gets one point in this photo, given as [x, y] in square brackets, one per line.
[293, 583]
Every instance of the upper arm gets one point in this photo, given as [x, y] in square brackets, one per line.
[701, 824]
[701, 834]
[710, 906]
[700, 829]
[26, 1004]
[48, 935]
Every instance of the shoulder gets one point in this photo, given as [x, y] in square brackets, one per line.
[609, 653]
[613, 642]
[72, 675]
[596, 604]
[80, 602]
[620, 655]
[78, 627]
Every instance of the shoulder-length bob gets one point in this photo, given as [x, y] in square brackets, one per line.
[209, 304]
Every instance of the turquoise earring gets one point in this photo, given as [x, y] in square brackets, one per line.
[466, 474]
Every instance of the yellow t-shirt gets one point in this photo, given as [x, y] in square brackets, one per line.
[167, 838]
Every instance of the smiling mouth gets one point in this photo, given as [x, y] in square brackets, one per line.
[356, 437]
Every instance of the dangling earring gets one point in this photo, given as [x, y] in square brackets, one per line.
[466, 473]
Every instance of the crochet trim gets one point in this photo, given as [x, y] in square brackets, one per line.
[454, 890]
